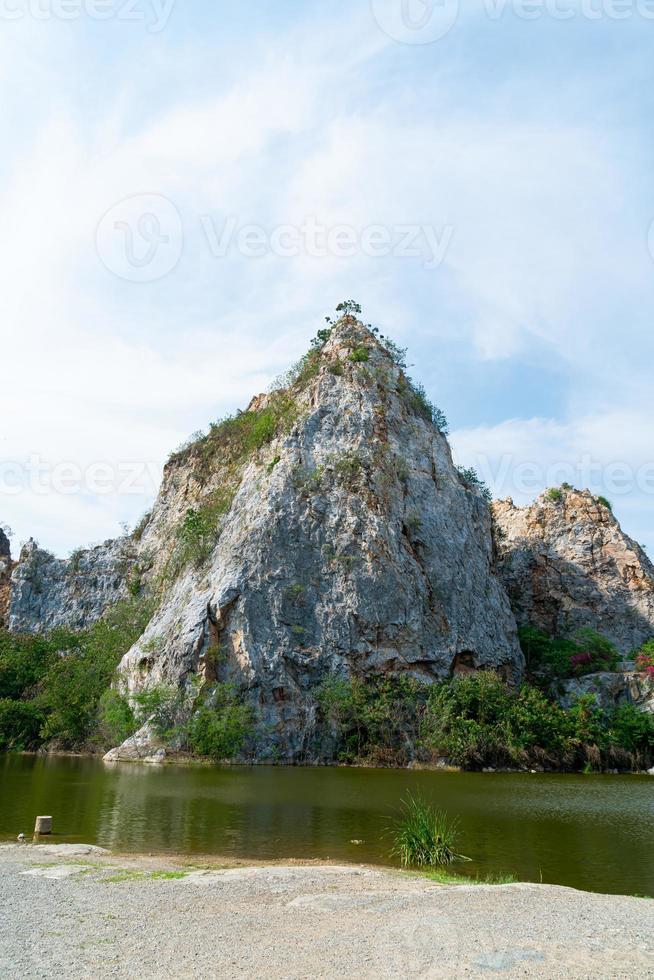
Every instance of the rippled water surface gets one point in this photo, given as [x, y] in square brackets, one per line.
[590, 832]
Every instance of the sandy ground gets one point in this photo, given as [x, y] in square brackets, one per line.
[75, 911]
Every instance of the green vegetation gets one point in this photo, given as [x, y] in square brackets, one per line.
[376, 721]
[421, 405]
[116, 720]
[473, 481]
[645, 658]
[424, 836]
[555, 495]
[199, 531]
[478, 721]
[449, 878]
[139, 530]
[216, 728]
[605, 503]
[360, 355]
[162, 706]
[349, 308]
[220, 727]
[55, 688]
[236, 437]
[347, 468]
[553, 658]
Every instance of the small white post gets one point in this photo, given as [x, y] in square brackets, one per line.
[43, 825]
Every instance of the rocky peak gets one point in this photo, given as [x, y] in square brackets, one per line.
[5, 546]
[325, 531]
[567, 564]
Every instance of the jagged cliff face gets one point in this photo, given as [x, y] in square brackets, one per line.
[5, 577]
[47, 593]
[347, 544]
[567, 564]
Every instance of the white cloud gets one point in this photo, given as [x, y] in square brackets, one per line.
[610, 454]
[547, 243]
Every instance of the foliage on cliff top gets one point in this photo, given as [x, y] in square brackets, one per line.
[236, 437]
[473, 481]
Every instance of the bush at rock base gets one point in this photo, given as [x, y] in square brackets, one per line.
[478, 721]
[61, 680]
[550, 658]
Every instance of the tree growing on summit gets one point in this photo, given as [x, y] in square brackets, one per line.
[349, 308]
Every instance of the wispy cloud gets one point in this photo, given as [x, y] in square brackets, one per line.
[323, 115]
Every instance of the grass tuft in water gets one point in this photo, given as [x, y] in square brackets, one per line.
[424, 836]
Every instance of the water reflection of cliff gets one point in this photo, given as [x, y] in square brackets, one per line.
[587, 832]
[214, 811]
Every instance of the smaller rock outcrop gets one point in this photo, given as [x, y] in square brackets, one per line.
[610, 690]
[567, 564]
[47, 593]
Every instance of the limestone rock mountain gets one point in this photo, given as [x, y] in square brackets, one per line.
[567, 564]
[48, 593]
[325, 531]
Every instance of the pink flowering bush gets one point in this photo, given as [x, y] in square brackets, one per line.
[594, 654]
[645, 659]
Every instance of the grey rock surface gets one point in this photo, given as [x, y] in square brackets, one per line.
[610, 690]
[47, 593]
[352, 547]
[567, 564]
[121, 918]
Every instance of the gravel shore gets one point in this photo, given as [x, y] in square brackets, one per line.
[75, 911]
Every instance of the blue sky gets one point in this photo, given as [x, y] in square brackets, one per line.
[517, 152]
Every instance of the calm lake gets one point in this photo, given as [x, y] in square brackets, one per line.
[590, 832]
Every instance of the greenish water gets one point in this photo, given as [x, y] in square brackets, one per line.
[590, 832]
